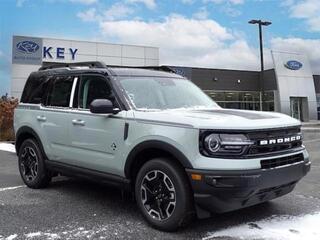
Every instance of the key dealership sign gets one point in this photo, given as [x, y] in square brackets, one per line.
[29, 50]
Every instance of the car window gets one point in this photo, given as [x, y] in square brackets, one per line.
[35, 89]
[91, 88]
[60, 91]
[160, 93]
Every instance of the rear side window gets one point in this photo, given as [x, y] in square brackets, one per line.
[35, 89]
[60, 91]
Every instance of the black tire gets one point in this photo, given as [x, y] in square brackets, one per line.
[176, 188]
[31, 165]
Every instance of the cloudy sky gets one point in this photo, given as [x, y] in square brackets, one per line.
[202, 33]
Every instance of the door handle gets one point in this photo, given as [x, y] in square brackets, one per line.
[41, 118]
[78, 122]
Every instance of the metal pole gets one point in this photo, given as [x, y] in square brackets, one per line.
[262, 68]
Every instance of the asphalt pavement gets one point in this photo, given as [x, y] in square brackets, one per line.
[76, 209]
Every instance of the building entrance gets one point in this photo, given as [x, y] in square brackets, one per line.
[297, 107]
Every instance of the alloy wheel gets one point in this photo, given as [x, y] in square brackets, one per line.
[29, 163]
[158, 195]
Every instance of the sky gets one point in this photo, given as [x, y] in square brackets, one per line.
[194, 33]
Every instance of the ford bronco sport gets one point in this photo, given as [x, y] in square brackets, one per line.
[156, 134]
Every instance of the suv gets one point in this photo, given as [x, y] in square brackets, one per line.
[156, 134]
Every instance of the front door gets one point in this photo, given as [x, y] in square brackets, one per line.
[296, 107]
[96, 140]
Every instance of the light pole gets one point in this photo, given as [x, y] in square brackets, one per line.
[261, 23]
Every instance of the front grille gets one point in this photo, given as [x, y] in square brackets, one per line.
[278, 162]
[257, 149]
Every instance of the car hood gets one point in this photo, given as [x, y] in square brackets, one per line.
[218, 119]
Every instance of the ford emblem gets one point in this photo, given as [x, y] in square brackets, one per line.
[27, 47]
[293, 65]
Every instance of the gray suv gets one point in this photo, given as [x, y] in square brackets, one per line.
[154, 133]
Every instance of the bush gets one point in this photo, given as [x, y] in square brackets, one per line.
[7, 106]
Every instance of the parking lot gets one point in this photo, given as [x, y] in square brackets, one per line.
[75, 209]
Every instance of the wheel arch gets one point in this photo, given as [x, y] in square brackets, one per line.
[144, 151]
[24, 133]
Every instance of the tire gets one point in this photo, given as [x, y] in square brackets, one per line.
[31, 165]
[163, 194]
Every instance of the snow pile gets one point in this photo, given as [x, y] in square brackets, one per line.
[8, 147]
[274, 228]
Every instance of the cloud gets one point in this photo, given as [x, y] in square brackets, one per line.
[227, 6]
[86, 2]
[186, 41]
[118, 11]
[115, 12]
[307, 10]
[235, 2]
[308, 46]
[151, 4]
[19, 3]
[202, 13]
[188, 1]
[89, 16]
[231, 11]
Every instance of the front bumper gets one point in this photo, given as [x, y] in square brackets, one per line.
[223, 191]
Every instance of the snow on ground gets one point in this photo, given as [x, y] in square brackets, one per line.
[274, 228]
[97, 232]
[11, 188]
[11, 237]
[8, 147]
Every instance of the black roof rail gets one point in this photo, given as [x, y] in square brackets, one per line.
[91, 64]
[159, 68]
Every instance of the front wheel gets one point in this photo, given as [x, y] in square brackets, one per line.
[163, 194]
[31, 165]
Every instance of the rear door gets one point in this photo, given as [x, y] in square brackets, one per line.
[53, 117]
[96, 141]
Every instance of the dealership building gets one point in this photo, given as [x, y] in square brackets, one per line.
[290, 87]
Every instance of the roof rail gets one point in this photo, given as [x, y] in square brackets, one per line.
[159, 68]
[91, 64]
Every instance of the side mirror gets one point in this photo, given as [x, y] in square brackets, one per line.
[103, 106]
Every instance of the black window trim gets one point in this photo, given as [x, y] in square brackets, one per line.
[107, 80]
[51, 80]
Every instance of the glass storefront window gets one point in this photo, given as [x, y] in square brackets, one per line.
[318, 105]
[268, 96]
[249, 100]
[232, 96]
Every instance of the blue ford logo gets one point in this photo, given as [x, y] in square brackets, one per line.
[27, 47]
[293, 65]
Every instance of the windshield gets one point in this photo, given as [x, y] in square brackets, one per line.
[154, 93]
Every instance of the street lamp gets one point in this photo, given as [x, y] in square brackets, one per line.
[261, 23]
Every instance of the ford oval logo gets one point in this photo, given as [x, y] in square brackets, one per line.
[27, 47]
[293, 65]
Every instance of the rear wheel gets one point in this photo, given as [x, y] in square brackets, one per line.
[163, 194]
[31, 165]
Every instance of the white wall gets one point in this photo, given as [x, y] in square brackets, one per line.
[19, 75]
[111, 54]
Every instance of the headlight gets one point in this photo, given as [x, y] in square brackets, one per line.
[212, 143]
[215, 144]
